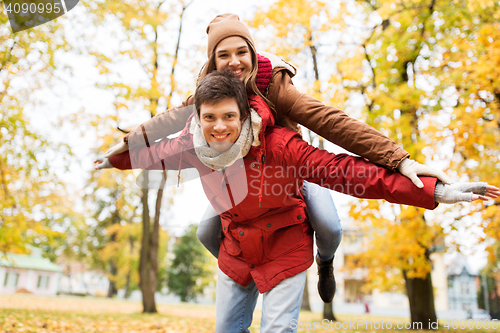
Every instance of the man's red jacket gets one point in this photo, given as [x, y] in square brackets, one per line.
[267, 236]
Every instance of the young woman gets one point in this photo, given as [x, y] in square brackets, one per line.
[230, 46]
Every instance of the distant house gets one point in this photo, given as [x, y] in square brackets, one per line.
[28, 273]
[462, 289]
[78, 279]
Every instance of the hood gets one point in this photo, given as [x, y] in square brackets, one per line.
[278, 63]
[261, 107]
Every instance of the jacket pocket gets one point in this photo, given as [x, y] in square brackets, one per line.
[283, 232]
[230, 244]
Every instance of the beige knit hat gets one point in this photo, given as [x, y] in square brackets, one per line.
[223, 26]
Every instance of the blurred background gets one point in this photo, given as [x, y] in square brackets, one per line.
[423, 72]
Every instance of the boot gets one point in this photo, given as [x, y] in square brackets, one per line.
[326, 282]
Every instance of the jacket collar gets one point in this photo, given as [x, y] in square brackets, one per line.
[261, 107]
[279, 63]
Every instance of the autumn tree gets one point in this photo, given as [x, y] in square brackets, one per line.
[468, 69]
[123, 252]
[190, 270]
[395, 73]
[112, 241]
[143, 30]
[32, 196]
[389, 78]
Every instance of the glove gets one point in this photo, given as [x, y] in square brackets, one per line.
[102, 162]
[412, 169]
[458, 192]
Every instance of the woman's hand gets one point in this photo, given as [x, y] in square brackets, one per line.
[102, 162]
[460, 192]
[117, 149]
[413, 169]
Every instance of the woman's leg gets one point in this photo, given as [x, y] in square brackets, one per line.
[281, 305]
[234, 305]
[323, 218]
[326, 224]
[209, 231]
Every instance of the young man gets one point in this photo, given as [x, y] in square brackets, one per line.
[251, 172]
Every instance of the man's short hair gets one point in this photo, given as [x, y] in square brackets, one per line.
[220, 85]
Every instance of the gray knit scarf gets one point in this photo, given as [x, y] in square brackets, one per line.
[215, 160]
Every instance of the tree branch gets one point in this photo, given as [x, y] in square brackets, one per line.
[122, 130]
[9, 56]
[4, 183]
[367, 57]
[176, 56]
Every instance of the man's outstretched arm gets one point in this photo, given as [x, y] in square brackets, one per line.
[360, 178]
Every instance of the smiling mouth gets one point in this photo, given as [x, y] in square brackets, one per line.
[238, 72]
[220, 136]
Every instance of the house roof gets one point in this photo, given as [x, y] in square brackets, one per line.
[458, 265]
[28, 262]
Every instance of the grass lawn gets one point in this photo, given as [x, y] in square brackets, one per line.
[26, 313]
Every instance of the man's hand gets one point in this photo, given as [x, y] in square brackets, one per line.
[412, 170]
[117, 149]
[102, 162]
[459, 192]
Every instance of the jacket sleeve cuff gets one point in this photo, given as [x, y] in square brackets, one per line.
[398, 156]
[121, 161]
[429, 189]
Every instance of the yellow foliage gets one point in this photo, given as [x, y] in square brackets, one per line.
[141, 24]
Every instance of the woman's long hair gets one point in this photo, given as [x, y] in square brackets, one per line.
[249, 82]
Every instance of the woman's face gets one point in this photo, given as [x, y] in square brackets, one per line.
[234, 54]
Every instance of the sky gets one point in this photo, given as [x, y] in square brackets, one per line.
[82, 94]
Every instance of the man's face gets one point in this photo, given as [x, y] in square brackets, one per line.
[220, 123]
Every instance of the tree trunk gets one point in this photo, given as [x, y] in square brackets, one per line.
[148, 297]
[305, 298]
[127, 283]
[115, 219]
[155, 239]
[112, 285]
[148, 263]
[126, 294]
[328, 311]
[421, 296]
